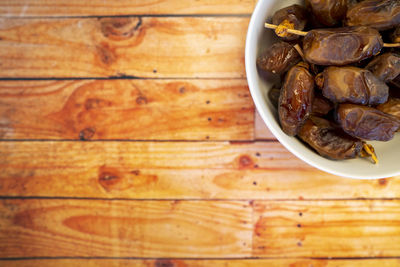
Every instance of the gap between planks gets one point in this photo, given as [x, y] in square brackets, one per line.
[172, 262]
[125, 77]
[5, 197]
[204, 15]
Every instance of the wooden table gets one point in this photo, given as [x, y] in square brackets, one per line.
[129, 138]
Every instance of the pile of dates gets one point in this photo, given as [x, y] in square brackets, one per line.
[340, 85]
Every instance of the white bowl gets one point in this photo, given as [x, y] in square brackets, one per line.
[258, 39]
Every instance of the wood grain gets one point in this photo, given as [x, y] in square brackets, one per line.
[43, 228]
[134, 46]
[84, 228]
[126, 109]
[54, 8]
[170, 170]
[261, 131]
[179, 202]
[205, 263]
[367, 228]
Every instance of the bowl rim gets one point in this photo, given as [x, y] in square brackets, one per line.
[258, 100]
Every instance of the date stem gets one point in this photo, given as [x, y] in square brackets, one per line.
[300, 51]
[282, 31]
[371, 151]
[281, 26]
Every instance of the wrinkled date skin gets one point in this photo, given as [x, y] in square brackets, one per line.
[367, 123]
[379, 14]
[341, 46]
[295, 14]
[392, 107]
[352, 84]
[329, 141]
[278, 58]
[320, 106]
[328, 12]
[296, 98]
[386, 66]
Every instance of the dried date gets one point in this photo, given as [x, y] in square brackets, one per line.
[278, 58]
[352, 84]
[341, 46]
[296, 98]
[329, 140]
[367, 123]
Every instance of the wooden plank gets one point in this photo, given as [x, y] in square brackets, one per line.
[170, 170]
[43, 228]
[145, 47]
[261, 130]
[367, 228]
[126, 109]
[54, 8]
[200, 263]
[199, 229]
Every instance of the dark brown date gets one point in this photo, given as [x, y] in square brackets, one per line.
[351, 3]
[273, 95]
[328, 12]
[294, 14]
[367, 123]
[321, 106]
[329, 140]
[395, 36]
[380, 14]
[278, 58]
[341, 46]
[296, 97]
[352, 84]
[386, 66]
[392, 107]
[394, 87]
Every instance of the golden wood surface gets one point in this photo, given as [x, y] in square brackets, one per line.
[123, 46]
[173, 170]
[54, 8]
[131, 139]
[348, 228]
[201, 262]
[199, 229]
[261, 131]
[42, 228]
[126, 109]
